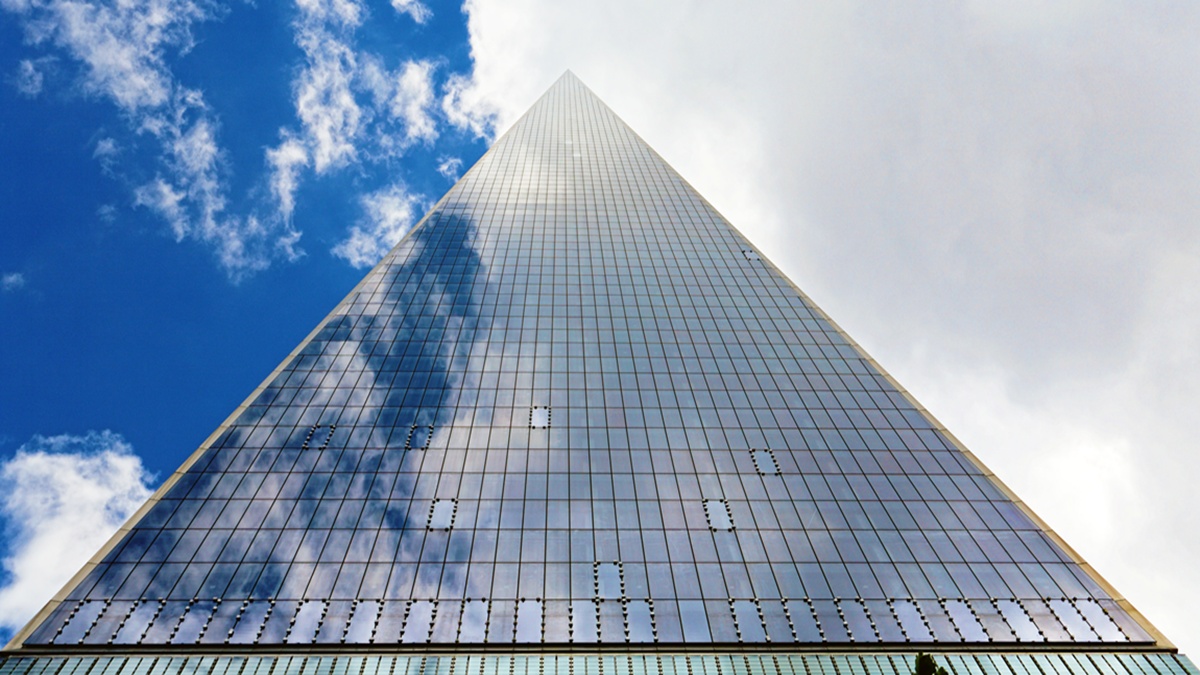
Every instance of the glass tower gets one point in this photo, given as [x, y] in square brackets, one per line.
[576, 422]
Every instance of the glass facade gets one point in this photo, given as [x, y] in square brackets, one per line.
[625, 664]
[576, 407]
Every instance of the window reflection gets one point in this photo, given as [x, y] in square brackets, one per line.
[580, 398]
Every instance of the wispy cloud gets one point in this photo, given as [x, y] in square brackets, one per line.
[285, 161]
[414, 8]
[12, 281]
[61, 498]
[121, 50]
[325, 104]
[350, 107]
[30, 78]
[326, 108]
[106, 152]
[353, 108]
[388, 215]
[450, 167]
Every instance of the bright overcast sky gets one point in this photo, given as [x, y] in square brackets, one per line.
[996, 200]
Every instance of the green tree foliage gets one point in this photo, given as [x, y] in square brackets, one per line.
[927, 666]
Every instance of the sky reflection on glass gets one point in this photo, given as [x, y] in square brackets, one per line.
[575, 405]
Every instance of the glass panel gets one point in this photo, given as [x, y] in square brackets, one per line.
[80, 623]
[1099, 621]
[135, 626]
[1019, 621]
[641, 625]
[222, 622]
[718, 514]
[391, 621]
[108, 623]
[749, 625]
[938, 621]
[193, 623]
[442, 514]
[334, 623]
[764, 462]
[612, 620]
[419, 621]
[608, 580]
[558, 621]
[1073, 620]
[830, 621]
[529, 621]
[474, 621]
[855, 615]
[886, 623]
[308, 617]
[915, 628]
[585, 621]
[965, 621]
[1050, 626]
[362, 622]
[247, 629]
[694, 621]
[169, 616]
[804, 621]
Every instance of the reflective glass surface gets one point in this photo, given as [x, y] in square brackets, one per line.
[881, 663]
[575, 405]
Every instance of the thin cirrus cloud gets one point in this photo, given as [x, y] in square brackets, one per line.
[450, 168]
[12, 281]
[31, 76]
[419, 12]
[61, 498]
[388, 214]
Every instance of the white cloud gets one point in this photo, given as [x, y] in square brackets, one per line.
[388, 215]
[450, 168]
[12, 281]
[62, 498]
[162, 198]
[106, 147]
[107, 152]
[413, 100]
[326, 106]
[121, 45]
[467, 105]
[286, 160]
[414, 9]
[403, 99]
[122, 49]
[29, 78]
[350, 106]
[243, 244]
[334, 13]
[997, 201]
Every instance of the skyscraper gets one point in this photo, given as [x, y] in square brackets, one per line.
[575, 421]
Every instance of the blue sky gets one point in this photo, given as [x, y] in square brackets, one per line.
[996, 200]
[116, 291]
